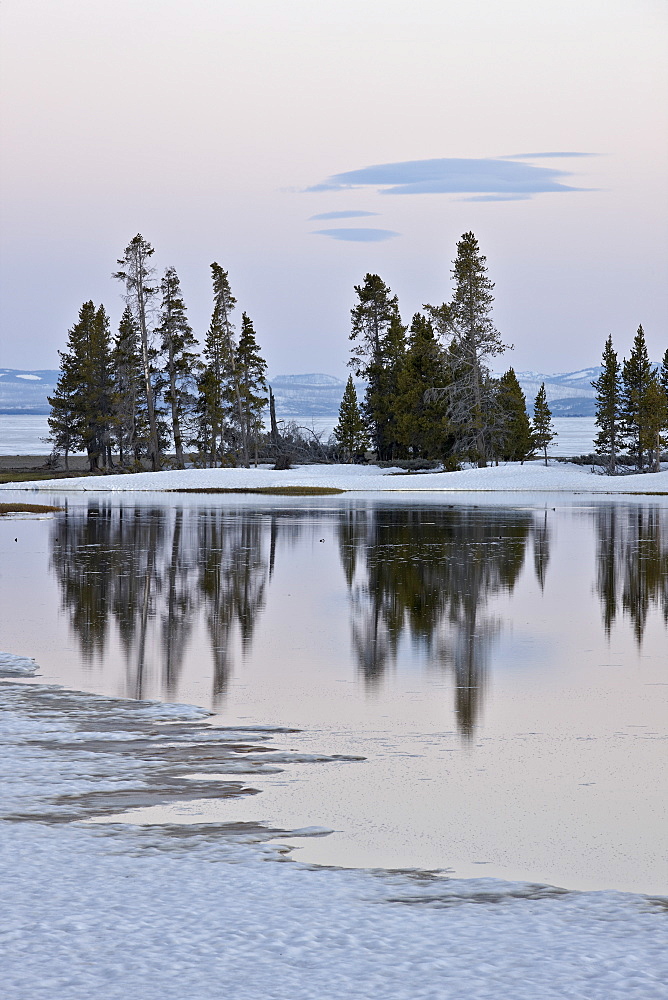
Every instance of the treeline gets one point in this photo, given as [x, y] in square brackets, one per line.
[430, 392]
[134, 393]
[631, 408]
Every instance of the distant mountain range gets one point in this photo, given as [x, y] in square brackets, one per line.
[570, 394]
[24, 391]
[312, 394]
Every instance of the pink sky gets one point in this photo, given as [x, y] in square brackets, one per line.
[202, 124]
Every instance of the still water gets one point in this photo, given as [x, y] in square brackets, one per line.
[501, 669]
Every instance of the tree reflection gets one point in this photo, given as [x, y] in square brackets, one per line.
[428, 574]
[147, 572]
[632, 564]
[233, 573]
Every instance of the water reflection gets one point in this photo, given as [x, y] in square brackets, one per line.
[430, 575]
[158, 582]
[234, 567]
[149, 571]
[632, 564]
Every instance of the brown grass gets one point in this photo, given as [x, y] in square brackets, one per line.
[27, 508]
[32, 475]
[280, 491]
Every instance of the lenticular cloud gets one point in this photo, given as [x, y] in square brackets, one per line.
[503, 176]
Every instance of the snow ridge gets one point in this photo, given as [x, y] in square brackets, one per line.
[509, 477]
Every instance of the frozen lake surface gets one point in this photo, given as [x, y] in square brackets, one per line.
[22, 435]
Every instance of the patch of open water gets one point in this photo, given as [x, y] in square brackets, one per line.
[501, 668]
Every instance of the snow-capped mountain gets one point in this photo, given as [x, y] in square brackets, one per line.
[25, 390]
[315, 394]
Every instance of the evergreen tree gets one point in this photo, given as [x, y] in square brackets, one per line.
[636, 378]
[178, 346]
[251, 368]
[377, 355]
[218, 384]
[466, 322]
[350, 431]
[82, 403]
[654, 420]
[130, 422]
[64, 419]
[543, 429]
[663, 373]
[138, 277]
[211, 404]
[422, 421]
[608, 402]
[514, 438]
[224, 303]
[99, 377]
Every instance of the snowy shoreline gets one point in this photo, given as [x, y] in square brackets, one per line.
[533, 476]
[116, 910]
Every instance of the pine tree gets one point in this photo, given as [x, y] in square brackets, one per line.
[224, 303]
[608, 403]
[99, 374]
[422, 421]
[130, 420]
[514, 438]
[377, 355]
[251, 368]
[219, 391]
[211, 403]
[663, 373]
[350, 431]
[636, 378]
[654, 420]
[82, 403]
[543, 429]
[466, 322]
[181, 362]
[64, 420]
[138, 277]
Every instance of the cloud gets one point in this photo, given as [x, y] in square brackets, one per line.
[357, 235]
[543, 156]
[497, 197]
[341, 215]
[454, 175]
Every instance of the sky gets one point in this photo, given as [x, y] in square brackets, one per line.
[301, 145]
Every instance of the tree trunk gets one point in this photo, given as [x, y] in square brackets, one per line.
[176, 426]
[272, 419]
[154, 448]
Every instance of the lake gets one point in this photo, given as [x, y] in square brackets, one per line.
[499, 668]
[23, 435]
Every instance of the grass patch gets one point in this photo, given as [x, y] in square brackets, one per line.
[24, 477]
[27, 508]
[33, 475]
[276, 491]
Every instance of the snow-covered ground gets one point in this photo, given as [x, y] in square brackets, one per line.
[532, 476]
[114, 911]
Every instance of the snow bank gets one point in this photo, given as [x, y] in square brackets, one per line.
[206, 912]
[512, 477]
[17, 666]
